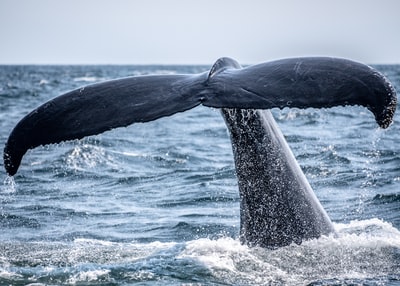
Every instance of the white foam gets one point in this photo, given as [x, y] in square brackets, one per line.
[87, 156]
[90, 276]
[9, 185]
[88, 79]
[6, 274]
[216, 254]
[362, 249]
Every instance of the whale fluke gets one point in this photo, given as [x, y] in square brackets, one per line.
[297, 82]
[318, 82]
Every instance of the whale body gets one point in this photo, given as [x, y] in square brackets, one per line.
[278, 207]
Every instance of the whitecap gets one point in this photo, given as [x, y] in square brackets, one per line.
[88, 79]
[90, 276]
[360, 250]
[9, 185]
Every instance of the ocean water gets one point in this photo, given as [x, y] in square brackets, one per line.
[157, 203]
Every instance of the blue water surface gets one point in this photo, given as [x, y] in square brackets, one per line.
[157, 203]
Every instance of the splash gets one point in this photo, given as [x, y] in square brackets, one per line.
[9, 185]
[362, 250]
[85, 156]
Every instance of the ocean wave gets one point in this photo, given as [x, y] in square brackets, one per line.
[158, 203]
[88, 79]
[361, 250]
[386, 198]
[15, 221]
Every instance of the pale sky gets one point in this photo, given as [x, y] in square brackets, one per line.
[196, 32]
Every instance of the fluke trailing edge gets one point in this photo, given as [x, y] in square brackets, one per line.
[278, 206]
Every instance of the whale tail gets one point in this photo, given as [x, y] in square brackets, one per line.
[297, 82]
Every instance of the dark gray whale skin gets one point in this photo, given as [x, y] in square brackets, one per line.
[278, 206]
